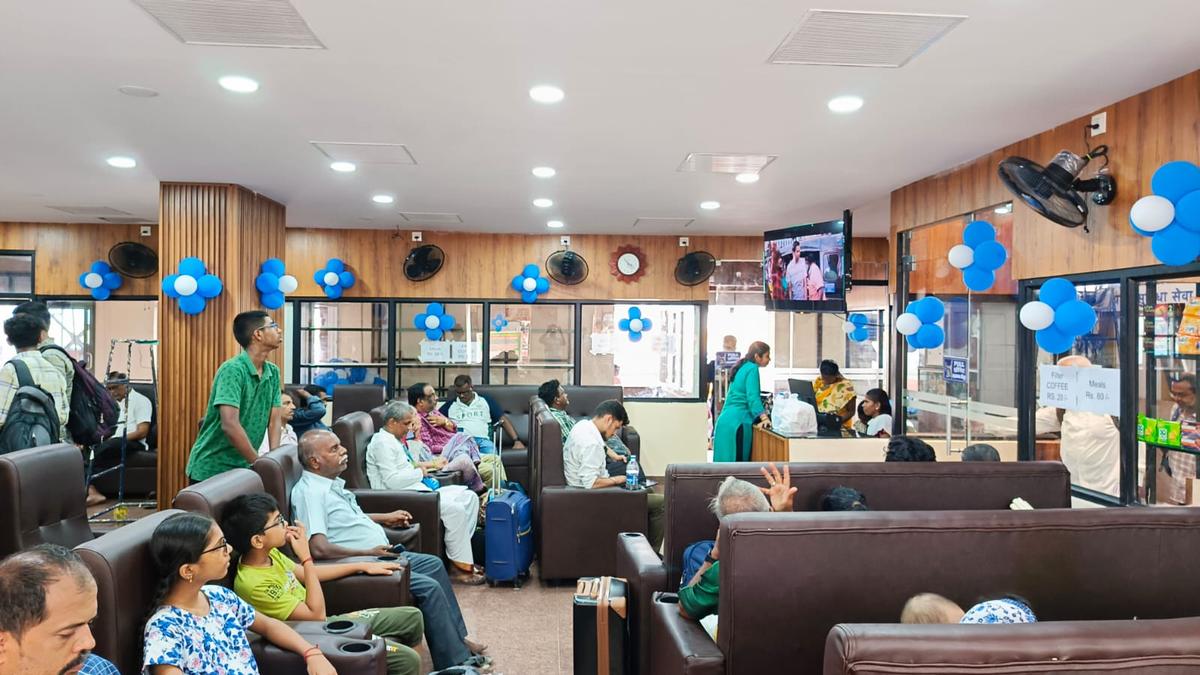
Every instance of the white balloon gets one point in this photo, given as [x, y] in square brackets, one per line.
[1037, 315]
[961, 256]
[331, 278]
[529, 284]
[848, 328]
[1152, 213]
[908, 323]
[635, 325]
[431, 321]
[93, 280]
[185, 285]
[287, 283]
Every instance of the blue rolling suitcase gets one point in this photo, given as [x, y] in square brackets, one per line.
[508, 537]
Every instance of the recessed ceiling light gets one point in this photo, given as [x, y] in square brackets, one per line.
[383, 199]
[140, 92]
[545, 93]
[122, 162]
[544, 172]
[748, 177]
[543, 203]
[710, 205]
[343, 167]
[239, 84]
[845, 104]
[555, 224]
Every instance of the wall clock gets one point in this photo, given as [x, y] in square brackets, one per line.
[628, 264]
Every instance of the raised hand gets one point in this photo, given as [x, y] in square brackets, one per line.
[297, 535]
[779, 491]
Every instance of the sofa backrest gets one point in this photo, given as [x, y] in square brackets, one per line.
[348, 398]
[354, 430]
[280, 469]
[788, 578]
[42, 498]
[513, 399]
[888, 486]
[546, 463]
[148, 390]
[212, 495]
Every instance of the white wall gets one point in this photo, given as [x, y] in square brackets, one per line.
[671, 433]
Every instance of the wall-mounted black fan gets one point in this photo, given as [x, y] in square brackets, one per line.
[1054, 190]
[695, 268]
[423, 262]
[133, 260]
[566, 267]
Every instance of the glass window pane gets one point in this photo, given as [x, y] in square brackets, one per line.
[71, 327]
[662, 364]
[16, 273]
[536, 343]
[343, 343]
[125, 320]
[424, 356]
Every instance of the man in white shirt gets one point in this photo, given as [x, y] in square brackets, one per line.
[475, 413]
[134, 412]
[390, 466]
[797, 271]
[1090, 443]
[584, 463]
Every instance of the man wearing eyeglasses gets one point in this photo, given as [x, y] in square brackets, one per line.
[243, 407]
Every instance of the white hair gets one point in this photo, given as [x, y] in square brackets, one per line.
[738, 496]
[397, 410]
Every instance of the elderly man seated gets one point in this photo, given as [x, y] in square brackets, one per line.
[338, 528]
[443, 438]
[476, 414]
[616, 453]
[391, 465]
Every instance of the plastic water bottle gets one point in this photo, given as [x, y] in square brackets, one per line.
[631, 473]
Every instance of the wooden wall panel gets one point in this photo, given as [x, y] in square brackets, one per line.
[232, 230]
[1144, 132]
[66, 250]
[870, 258]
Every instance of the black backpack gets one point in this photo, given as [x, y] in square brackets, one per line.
[32, 420]
[94, 412]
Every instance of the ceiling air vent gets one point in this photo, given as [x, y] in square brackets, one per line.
[365, 153]
[725, 162]
[663, 224]
[233, 23]
[432, 218]
[92, 211]
[126, 220]
[868, 39]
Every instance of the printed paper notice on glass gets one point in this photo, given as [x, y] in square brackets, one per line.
[434, 352]
[1096, 390]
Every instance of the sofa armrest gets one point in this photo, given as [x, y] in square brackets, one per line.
[366, 591]
[346, 655]
[422, 505]
[644, 574]
[679, 645]
[632, 440]
[579, 529]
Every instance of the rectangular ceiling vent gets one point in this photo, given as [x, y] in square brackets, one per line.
[725, 162]
[126, 220]
[91, 211]
[233, 23]
[866, 39]
[365, 153]
[663, 223]
[432, 218]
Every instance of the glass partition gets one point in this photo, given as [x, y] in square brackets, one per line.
[663, 364]
[343, 343]
[535, 343]
[438, 362]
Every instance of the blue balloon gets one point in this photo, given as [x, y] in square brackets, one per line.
[517, 283]
[274, 266]
[319, 277]
[1187, 211]
[860, 334]
[1056, 291]
[101, 293]
[543, 285]
[977, 232]
[978, 279]
[931, 336]
[168, 286]
[100, 267]
[419, 321]
[435, 308]
[1054, 341]
[346, 279]
[192, 267]
[267, 282]
[915, 306]
[191, 304]
[635, 336]
[528, 296]
[930, 310]
[497, 325]
[83, 280]
[859, 319]
[447, 322]
[530, 270]
[113, 281]
[335, 265]
[208, 286]
[635, 312]
[1173, 180]
[333, 292]
[1075, 317]
[990, 255]
[357, 374]
[433, 333]
[623, 324]
[646, 325]
[1175, 245]
[272, 300]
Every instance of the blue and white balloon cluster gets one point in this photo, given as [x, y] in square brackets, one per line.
[352, 374]
[856, 327]
[273, 282]
[434, 321]
[101, 280]
[193, 286]
[635, 324]
[1058, 316]
[334, 278]
[919, 323]
[499, 322]
[979, 256]
[530, 283]
[1171, 216]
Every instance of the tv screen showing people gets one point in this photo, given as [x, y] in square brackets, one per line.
[806, 267]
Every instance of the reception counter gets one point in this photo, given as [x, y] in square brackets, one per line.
[771, 446]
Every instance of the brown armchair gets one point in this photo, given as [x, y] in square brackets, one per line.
[42, 498]
[348, 398]
[513, 399]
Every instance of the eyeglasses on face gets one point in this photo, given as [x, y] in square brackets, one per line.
[222, 545]
[278, 522]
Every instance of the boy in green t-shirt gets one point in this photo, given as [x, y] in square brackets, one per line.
[284, 590]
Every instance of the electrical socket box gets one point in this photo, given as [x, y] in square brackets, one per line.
[683, 241]
[417, 236]
[1099, 123]
[146, 231]
[564, 240]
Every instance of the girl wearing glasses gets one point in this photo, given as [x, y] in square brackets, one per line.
[198, 627]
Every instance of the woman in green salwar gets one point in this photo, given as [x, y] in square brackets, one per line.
[743, 407]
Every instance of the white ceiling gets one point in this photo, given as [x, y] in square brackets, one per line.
[646, 83]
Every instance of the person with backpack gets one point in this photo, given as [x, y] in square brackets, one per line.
[33, 400]
[56, 355]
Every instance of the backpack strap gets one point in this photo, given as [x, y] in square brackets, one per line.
[65, 353]
[24, 377]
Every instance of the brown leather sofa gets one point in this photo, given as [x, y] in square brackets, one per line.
[514, 400]
[347, 594]
[1157, 646]
[788, 578]
[125, 586]
[280, 470]
[42, 498]
[348, 398]
[141, 466]
[888, 486]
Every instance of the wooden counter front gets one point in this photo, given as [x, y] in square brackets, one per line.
[769, 446]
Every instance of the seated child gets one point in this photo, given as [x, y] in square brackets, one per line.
[933, 608]
[284, 590]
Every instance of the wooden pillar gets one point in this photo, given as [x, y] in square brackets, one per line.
[233, 230]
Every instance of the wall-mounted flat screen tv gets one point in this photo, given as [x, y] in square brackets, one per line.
[806, 268]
